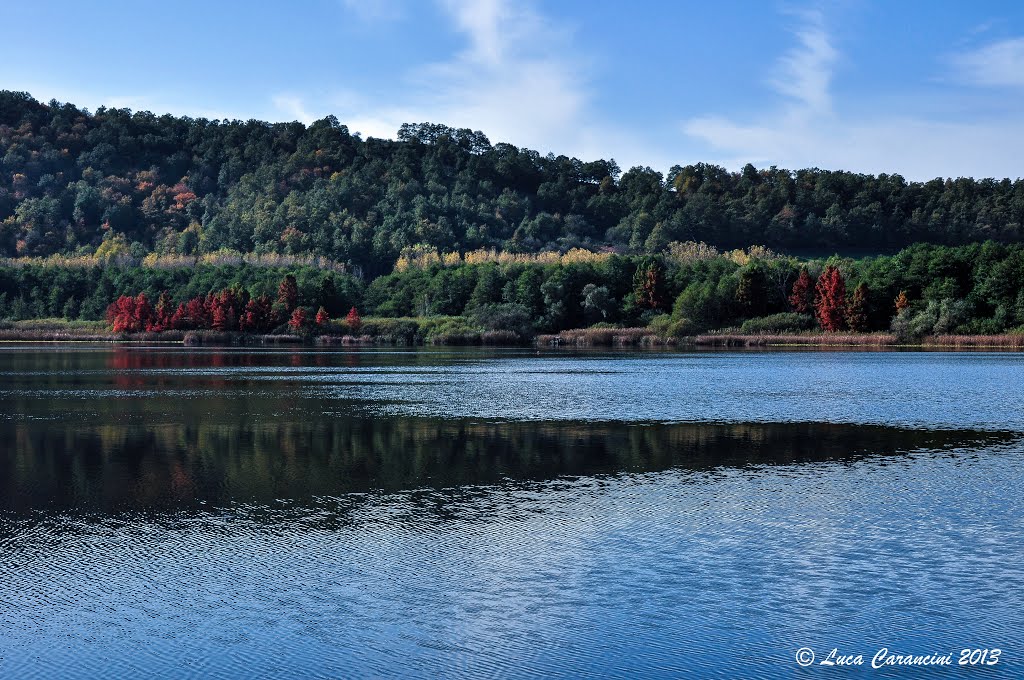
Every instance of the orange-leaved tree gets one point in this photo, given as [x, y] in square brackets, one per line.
[130, 314]
[353, 320]
[830, 299]
[801, 298]
[299, 320]
[322, 317]
[901, 301]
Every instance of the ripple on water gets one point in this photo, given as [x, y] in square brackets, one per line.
[217, 514]
[657, 573]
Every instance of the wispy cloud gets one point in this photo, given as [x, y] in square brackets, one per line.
[803, 81]
[511, 80]
[807, 127]
[292, 106]
[517, 77]
[998, 64]
[806, 70]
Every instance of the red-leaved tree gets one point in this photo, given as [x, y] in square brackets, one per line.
[258, 316]
[226, 307]
[288, 293]
[130, 314]
[322, 317]
[649, 284]
[830, 300]
[299, 320]
[802, 297]
[353, 320]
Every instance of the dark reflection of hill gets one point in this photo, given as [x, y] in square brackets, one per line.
[135, 465]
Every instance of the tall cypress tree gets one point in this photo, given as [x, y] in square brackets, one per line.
[830, 301]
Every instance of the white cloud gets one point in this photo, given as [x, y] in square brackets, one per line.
[807, 68]
[512, 80]
[808, 128]
[292, 106]
[516, 79]
[999, 64]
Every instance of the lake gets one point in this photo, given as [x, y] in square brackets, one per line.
[193, 512]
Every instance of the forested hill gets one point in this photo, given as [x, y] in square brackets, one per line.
[73, 182]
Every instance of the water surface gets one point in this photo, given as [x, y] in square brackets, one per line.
[175, 512]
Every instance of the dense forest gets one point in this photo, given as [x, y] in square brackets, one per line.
[690, 288]
[113, 183]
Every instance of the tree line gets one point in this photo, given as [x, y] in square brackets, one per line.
[690, 287]
[230, 310]
[126, 184]
[73, 291]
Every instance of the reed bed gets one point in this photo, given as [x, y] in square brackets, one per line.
[816, 339]
[1006, 340]
[501, 338]
[605, 337]
[200, 338]
[22, 335]
[346, 340]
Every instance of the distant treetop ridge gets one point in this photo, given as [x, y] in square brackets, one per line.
[75, 182]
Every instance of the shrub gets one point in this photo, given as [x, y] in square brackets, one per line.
[938, 318]
[659, 324]
[785, 322]
[400, 330]
[505, 317]
[452, 331]
[681, 328]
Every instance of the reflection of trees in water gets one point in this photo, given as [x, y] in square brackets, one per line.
[210, 454]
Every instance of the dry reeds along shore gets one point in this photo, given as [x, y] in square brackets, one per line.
[782, 339]
[643, 337]
[604, 337]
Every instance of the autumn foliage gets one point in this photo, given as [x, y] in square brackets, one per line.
[231, 309]
[830, 300]
[901, 301]
[299, 320]
[353, 320]
[857, 313]
[802, 297]
[322, 317]
[130, 314]
[649, 285]
[288, 293]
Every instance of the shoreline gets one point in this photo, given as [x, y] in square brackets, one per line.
[624, 338]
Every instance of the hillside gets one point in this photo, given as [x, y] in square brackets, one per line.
[74, 182]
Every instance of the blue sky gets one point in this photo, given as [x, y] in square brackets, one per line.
[924, 89]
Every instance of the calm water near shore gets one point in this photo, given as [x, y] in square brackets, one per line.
[182, 512]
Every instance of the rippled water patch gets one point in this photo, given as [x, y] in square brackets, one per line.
[465, 514]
